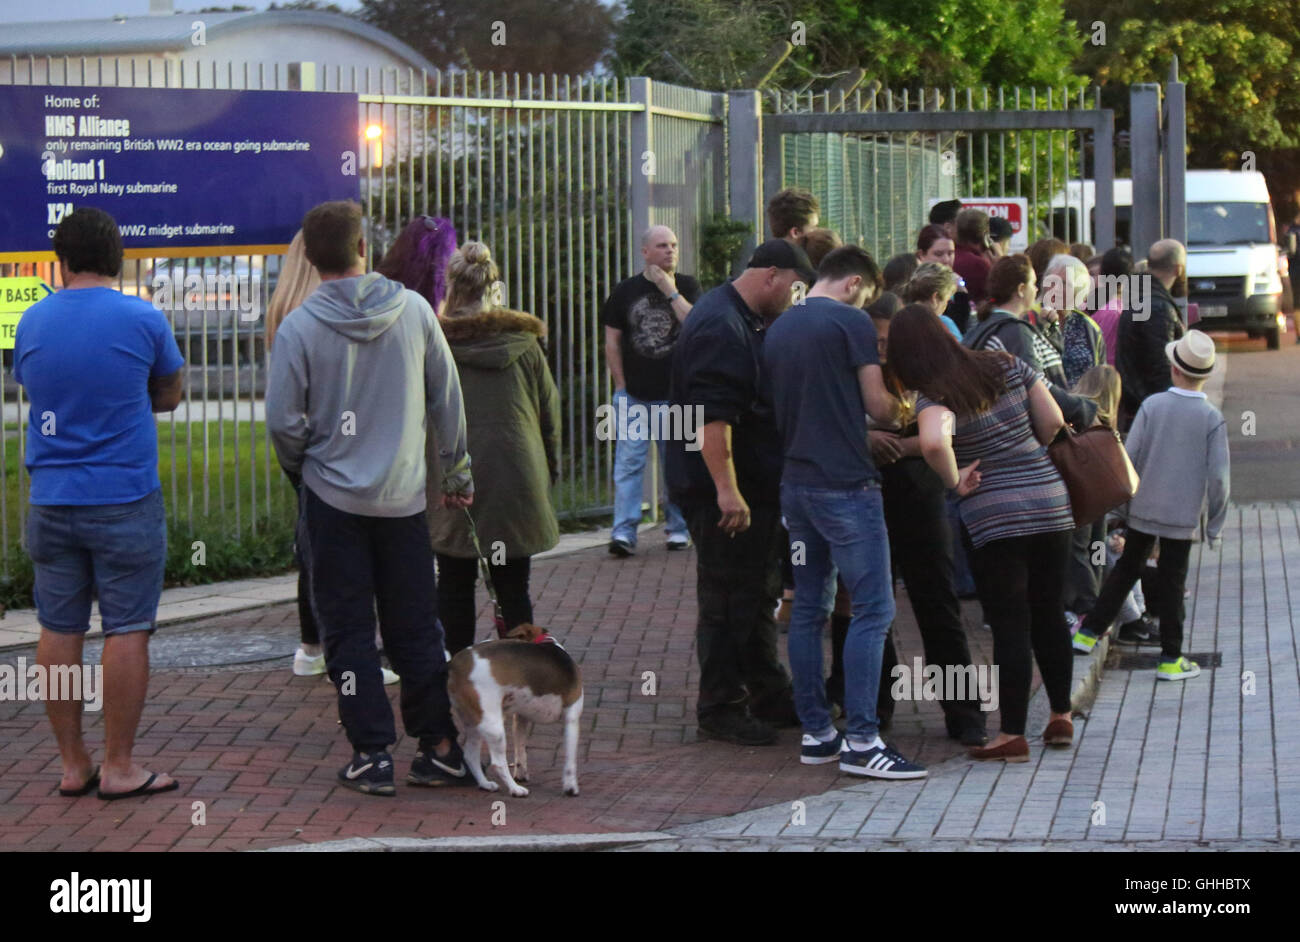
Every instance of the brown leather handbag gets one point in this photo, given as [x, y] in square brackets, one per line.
[1097, 472]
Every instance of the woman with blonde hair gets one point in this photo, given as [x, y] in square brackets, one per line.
[298, 278]
[933, 285]
[512, 413]
[1084, 574]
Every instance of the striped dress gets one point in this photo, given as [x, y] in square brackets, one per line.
[1020, 491]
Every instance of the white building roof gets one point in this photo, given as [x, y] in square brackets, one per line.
[125, 35]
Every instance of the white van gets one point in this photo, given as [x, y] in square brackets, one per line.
[1233, 272]
[1232, 254]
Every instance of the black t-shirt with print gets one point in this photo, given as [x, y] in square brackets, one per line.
[650, 327]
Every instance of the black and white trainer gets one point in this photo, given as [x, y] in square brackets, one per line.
[370, 773]
[812, 751]
[429, 770]
[878, 762]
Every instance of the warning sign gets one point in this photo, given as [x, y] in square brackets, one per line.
[16, 296]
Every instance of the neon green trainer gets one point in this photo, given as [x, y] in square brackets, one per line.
[1180, 669]
[1084, 642]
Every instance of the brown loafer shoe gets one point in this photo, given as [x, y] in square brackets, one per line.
[1017, 750]
[1059, 733]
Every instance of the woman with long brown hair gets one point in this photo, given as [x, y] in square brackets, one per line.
[985, 419]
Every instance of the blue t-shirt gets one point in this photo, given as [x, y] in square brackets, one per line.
[85, 357]
[811, 359]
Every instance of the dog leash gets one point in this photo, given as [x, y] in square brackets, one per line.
[486, 571]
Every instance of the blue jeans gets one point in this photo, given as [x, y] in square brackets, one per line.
[840, 530]
[119, 550]
[630, 456]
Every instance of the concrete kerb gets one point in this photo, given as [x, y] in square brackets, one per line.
[1085, 688]
[225, 598]
[523, 842]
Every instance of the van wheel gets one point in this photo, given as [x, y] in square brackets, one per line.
[1273, 337]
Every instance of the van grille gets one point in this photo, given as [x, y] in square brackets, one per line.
[1226, 287]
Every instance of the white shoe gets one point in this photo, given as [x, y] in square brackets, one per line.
[390, 678]
[306, 666]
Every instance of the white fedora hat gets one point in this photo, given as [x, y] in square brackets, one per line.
[1193, 354]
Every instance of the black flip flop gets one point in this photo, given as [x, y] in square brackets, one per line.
[84, 789]
[140, 792]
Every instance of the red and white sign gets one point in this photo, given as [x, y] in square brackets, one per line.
[1014, 209]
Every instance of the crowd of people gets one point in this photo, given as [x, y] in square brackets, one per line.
[888, 421]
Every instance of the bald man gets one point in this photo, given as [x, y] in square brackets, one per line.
[1145, 328]
[642, 319]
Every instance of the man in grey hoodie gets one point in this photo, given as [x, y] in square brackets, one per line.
[358, 371]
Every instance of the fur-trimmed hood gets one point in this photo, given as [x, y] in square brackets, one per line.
[491, 339]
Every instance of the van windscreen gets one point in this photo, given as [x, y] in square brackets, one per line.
[1227, 223]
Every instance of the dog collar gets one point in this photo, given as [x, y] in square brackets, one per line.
[544, 638]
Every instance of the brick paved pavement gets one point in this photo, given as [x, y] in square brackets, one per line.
[1204, 764]
[260, 748]
[1213, 762]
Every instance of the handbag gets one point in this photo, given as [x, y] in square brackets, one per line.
[1097, 471]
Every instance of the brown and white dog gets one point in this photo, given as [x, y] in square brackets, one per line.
[528, 676]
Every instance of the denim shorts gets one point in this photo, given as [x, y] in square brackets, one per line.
[118, 550]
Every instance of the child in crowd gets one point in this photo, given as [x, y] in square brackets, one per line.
[1179, 446]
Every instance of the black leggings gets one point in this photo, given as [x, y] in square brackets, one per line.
[1167, 599]
[1021, 583]
[457, 579]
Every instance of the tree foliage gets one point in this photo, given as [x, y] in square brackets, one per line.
[718, 44]
[1239, 60]
[560, 36]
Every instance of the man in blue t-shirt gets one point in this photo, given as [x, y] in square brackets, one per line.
[96, 365]
[823, 368]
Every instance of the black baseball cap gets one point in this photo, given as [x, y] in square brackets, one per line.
[1000, 229]
[778, 253]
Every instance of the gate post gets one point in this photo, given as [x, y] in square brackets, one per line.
[745, 167]
[1103, 175]
[1174, 151]
[641, 151]
[1148, 209]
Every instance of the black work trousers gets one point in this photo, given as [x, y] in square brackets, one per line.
[737, 586]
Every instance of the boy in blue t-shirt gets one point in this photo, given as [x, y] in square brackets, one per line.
[821, 363]
[96, 365]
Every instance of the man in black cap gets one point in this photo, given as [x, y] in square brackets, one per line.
[727, 484]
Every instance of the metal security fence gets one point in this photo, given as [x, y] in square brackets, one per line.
[876, 158]
[557, 174]
[560, 175]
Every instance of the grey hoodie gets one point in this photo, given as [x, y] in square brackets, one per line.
[356, 370]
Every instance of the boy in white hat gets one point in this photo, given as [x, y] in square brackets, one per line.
[1179, 446]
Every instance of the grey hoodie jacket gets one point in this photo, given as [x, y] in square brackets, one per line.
[1179, 447]
[356, 370]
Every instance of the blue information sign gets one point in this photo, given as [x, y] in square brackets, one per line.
[177, 168]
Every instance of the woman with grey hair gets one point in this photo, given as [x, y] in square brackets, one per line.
[1064, 296]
